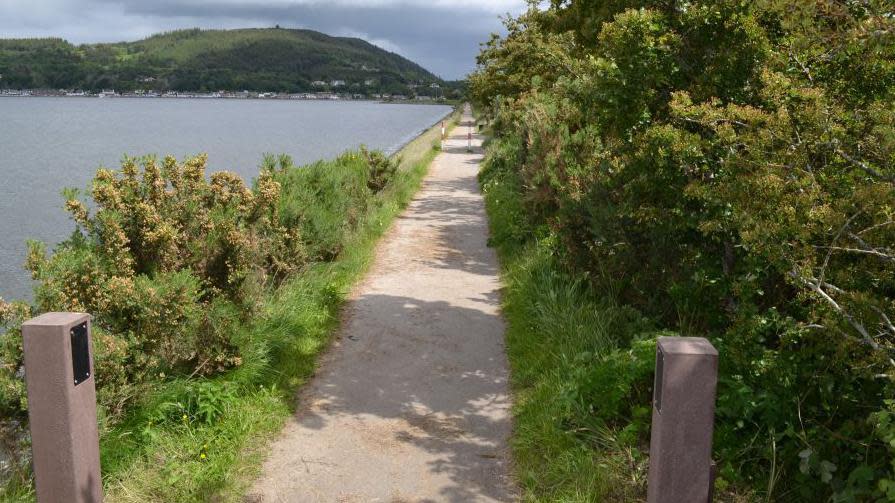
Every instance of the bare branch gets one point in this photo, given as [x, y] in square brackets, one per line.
[863, 166]
[804, 68]
[818, 290]
[865, 338]
[823, 268]
[888, 322]
[867, 246]
[874, 252]
[876, 226]
[714, 122]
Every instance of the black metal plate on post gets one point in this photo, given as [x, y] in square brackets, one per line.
[80, 353]
[657, 383]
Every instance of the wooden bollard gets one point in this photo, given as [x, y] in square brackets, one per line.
[680, 468]
[62, 408]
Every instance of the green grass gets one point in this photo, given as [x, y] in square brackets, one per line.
[551, 322]
[162, 453]
[554, 319]
[581, 364]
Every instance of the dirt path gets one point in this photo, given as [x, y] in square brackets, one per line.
[411, 404]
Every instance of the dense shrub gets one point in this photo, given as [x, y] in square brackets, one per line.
[580, 402]
[173, 263]
[325, 205]
[166, 263]
[725, 168]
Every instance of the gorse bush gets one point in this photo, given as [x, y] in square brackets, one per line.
[382, 169]
[167, 263]
[341, 197]
[173, 263]
[726, 169]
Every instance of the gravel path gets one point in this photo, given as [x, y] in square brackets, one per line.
[411, 403]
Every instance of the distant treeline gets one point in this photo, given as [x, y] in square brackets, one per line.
[280, 60]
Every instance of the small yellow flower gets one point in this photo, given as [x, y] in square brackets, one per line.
[202, 456]
[184, 417]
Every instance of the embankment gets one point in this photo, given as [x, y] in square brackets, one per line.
[243, 302]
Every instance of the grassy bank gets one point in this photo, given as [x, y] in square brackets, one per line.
[556, 327]
[192, 462]
[193, 438]
[581, 364]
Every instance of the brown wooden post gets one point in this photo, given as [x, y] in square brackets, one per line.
[62, 408]
[680, 469]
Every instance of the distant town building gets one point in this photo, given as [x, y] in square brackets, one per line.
[370, 82]
[337, 83]
[318, 83]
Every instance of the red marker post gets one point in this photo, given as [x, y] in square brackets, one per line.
[469, 141]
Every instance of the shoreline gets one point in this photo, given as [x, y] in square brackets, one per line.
[17, 284]
[428, 130]
[257, 97]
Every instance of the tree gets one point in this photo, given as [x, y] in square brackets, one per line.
[725, 168]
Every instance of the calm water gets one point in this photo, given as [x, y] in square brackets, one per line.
[47, 144]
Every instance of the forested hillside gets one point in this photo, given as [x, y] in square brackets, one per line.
[714, 168]
[273, 59]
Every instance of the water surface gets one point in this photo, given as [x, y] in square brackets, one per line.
[47, 144]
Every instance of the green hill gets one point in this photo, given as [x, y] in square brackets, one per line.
[274, 59]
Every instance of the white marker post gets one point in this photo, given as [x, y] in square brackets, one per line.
[469, 139]
[442, 136]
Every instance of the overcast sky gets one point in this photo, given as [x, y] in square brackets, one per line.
[441, 35]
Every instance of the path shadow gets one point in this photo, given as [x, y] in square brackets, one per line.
[459, 223]
[456, 408]
[414, 371]
[458, 146]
